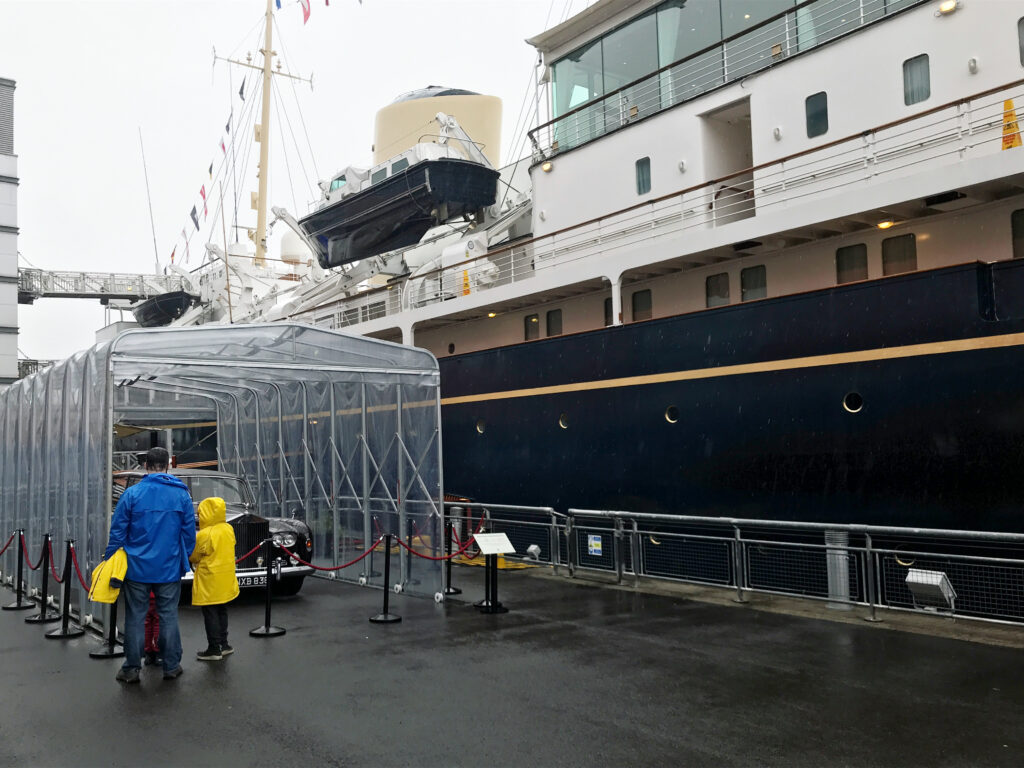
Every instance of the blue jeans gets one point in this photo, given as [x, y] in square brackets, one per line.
[136, 598]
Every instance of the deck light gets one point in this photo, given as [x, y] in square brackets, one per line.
[886, 224]
[948, 6]
[546, 166]
[492, 314]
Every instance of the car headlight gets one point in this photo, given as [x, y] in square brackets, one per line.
[284, 539]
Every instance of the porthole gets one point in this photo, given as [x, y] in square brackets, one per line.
[451, 349]
[853, 402]
[481, 425]
[671, 414]
[563, 421]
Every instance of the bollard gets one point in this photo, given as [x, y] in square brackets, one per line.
[22, 602]
[45, 615]
[385, 617]
[111, 648]
[449, 589]
[267, 630]
[67, 629]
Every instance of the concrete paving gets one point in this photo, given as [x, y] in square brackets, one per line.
[577, 674]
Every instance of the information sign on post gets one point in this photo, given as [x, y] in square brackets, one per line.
[494, 544]
[491, 545]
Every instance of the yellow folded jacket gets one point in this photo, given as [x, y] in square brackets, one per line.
[107, 578]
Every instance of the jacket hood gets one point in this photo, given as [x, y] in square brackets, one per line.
[211, 512]
[165, 479]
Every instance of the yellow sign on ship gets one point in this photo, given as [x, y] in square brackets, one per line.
[1011, 133]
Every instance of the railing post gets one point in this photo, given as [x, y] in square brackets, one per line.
[737, 564]
[869, 555]
[553, 543]
[617, 549]
[635, 555]
[570, 546]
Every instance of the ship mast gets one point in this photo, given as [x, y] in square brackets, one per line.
[263, 137]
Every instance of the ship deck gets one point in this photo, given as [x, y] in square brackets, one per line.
[576, 674]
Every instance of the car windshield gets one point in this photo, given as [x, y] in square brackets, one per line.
[231, 489]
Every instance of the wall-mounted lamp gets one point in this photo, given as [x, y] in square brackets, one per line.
[546, 166]
[888, 223]
[947, 7]
[682, 166]
[972, 65]
[777, 133]
[543, 215]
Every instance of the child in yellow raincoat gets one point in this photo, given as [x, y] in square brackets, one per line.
[214, 584]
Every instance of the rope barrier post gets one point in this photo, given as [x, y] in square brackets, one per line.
[67, 629]
[22, 602]
[45, 615]
[111, 648]
[449, 589]
[385, 617]
[268, 630]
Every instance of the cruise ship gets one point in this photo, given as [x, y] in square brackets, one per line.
[763, 258]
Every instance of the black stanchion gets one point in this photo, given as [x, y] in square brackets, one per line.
[22, 602]
[67, 629]
[448, 589]
[490, 603]
[45, 615]
[384, 617]
[111, 648]
[268, 630]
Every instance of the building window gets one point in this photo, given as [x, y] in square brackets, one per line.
[379, 175]
[643, 175]
[642, 305]
[554, 322]
[400, 164]
[531, 327]
[917, 85]
[816, 107]
[716, 289]
[1017, 225]
[851, 263]
[608, 312]
[753, 283]
[899, 254]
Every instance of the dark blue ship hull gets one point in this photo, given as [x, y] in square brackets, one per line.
[935, 358]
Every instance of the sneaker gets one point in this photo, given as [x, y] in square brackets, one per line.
[152, 658]
[127, 675]
[212, 653]
[226, 650]
[174, 674]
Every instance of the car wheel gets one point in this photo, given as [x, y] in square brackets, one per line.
[288, 587]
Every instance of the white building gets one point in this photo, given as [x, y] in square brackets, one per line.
[8, 237]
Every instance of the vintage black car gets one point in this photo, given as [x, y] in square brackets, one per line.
[250, 528]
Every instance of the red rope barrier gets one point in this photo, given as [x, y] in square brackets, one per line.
[458, 541]
[298, 559]
[430, 557]
[81, 580]
[248, 553]
[24, 552]
[7, 544]
[53, 568]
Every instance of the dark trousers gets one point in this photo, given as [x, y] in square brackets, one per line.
[216, 619]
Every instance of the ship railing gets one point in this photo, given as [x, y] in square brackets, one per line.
[38, 283]
[968, 574]
[539, 528]
[939, 137]
[802, 28]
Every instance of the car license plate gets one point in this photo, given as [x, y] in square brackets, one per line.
[253, 581]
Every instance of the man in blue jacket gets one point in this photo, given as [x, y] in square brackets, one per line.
[155, 522]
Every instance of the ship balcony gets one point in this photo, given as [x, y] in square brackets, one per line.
[847, 184]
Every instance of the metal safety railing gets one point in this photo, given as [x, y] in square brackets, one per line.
[969, 574]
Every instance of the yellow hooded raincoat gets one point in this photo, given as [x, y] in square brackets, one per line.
[213, 559]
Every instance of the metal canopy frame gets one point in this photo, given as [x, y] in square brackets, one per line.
[341, 430]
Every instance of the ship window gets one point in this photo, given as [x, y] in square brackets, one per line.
[531, 327]
[337, 183]
[607, 311]
[642, 305]
[917, 85]
[1017, 225]
[350, 316]
[554, 322]
[899, 254]
[851, 263]
[400, 164]
[643, 175]
[1020, 39]
[738, 15]
[379, 175]
[577, 78]
[716, 289]
[451, 349]
[816, 107]
[753, 283]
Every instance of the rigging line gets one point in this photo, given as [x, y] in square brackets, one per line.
[295, 95]
[234, 170]
[262, 18]
[276, 96]
[292, 132]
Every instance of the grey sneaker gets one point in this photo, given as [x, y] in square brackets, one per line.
[213, 653]
[174, 674]
[127, 675]
[226, 650]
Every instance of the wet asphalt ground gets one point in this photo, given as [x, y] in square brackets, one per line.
[577, 674]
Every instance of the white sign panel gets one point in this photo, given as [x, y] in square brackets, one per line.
[494, 544]
[594, 544]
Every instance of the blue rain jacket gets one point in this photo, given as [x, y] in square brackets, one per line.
[155, 522]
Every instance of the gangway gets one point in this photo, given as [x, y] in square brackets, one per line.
[43, 284]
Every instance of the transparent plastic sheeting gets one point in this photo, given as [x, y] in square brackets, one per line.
[343, 431]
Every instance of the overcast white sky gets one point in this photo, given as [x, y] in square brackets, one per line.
[90, 74]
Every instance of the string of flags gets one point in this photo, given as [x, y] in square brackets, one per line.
[306, 8]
